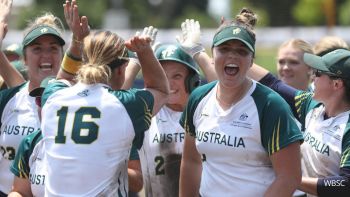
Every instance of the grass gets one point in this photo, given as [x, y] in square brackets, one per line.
[266, 57]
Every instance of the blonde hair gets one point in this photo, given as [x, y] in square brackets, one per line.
[298, 44]
[46, 19]
[246, 19]
[100, 49]
[328, 44]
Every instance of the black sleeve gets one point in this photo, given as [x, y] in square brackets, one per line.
[286, 91]
[336, 185]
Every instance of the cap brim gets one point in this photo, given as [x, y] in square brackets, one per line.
[36, 92]
[234, 38]
[60, 40]
[315, 62]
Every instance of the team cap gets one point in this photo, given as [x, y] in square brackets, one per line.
[234, 32]
[173, 52]
[336, 62]
[40, 31]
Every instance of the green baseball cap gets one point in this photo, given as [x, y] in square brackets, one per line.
[336, 62]
[234, 32]
[20, 67]
[14, 49]
[40, 31]
[39, 90]
[173, 52]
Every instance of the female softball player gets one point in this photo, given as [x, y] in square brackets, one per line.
[324, 116]
[241, 139]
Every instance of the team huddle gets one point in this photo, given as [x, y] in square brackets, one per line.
[73, 125]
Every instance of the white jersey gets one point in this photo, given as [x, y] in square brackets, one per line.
[88, 131]
[161, 153]
[19, 118]
[327, 141]
[235, 144]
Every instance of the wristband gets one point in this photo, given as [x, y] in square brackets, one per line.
[70, 65]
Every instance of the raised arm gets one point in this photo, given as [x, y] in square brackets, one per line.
[190, 42]
[153, 74]
[134, 67]
[10, 75]
[80, 29]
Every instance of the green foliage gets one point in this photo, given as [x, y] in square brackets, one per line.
[309, 12]
[344, 14]
[193, 13]
[43, 6]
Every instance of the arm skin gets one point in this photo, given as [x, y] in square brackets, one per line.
[80, 28]
[154, 76]
[10, 75]
[206, 64]
[131, 72]
[21, 188]
[135, 175]
[286, 164]
[191, 168]
[309, 185]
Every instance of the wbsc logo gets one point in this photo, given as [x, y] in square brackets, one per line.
[334, 183]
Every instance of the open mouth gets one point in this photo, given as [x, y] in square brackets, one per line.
[231, 69]
[46, 67]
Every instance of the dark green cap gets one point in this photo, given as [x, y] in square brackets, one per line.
[39, 90]
[234, 33]
[173, 52]
[336, 62]
[40, 31]
[14, 49]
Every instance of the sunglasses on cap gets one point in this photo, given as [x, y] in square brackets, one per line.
[124, 58]
[319, 73]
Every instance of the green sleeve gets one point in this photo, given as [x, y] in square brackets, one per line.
[345, 156]
[303, 104]
[139, 105]
[51, 88]
[134, 155]
[20, 166]
[277, 123]
[196, 96]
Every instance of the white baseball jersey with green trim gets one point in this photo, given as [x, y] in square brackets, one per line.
[19, 118]
[327, 141]
[88, 131]
[160, 154]
[235, 144]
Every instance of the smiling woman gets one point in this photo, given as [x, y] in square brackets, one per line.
[43, 46]
[235, 110]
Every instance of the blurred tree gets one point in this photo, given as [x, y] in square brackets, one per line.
[167, 13]
[278, 12]
[344, 14]
[91, 8]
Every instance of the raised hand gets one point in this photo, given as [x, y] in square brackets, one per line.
[5, 10]
[189, 40]
[139, 44]
[78, 25]
[152, 33]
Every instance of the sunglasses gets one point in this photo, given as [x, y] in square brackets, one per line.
[124, 58]
[38, 101]
[319, 73]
